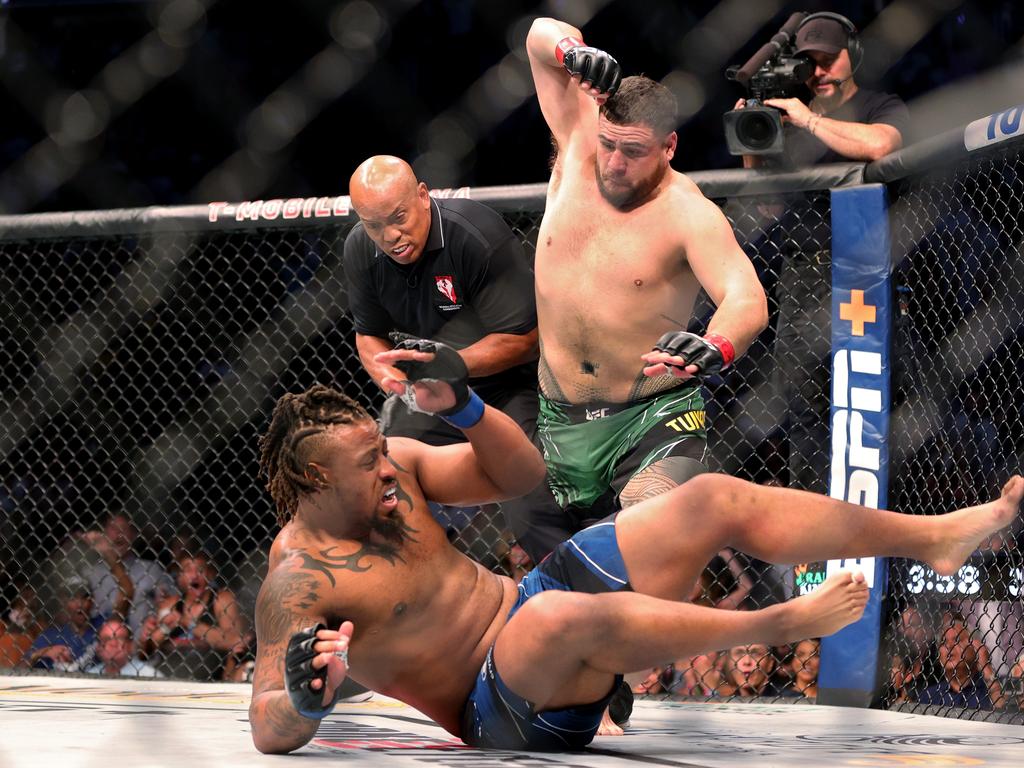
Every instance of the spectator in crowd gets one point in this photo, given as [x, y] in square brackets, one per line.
[659, 680]
[69, 646]
[804, 664]
[955, 630]
[200, 625]
[748, 672]
[998, 621]
[122, 574]
[516, 562]
[20, 628]
[724, 583]
[916, 638]
[699, 676]
[903, 673]
[240, 663]
[115, 653]
[842, 122]
[964, 685]
[1016, 686]
[450, 270]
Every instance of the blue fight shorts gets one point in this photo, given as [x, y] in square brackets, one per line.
[496, 718]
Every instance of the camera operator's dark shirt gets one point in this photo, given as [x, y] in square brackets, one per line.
[805, 227]
[871, 107]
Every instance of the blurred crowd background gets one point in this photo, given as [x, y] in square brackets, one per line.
[164, 102]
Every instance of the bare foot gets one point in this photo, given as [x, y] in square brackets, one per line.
[964, 530]
[608, 726]
[839, 601]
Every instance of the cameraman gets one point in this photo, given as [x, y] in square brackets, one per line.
[843, 122]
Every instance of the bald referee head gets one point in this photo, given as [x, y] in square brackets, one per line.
[393, 206]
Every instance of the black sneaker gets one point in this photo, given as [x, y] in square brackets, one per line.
[621, 705]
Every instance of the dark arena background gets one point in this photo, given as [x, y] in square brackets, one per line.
[173, 206]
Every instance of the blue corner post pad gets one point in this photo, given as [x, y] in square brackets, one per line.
[862, 314]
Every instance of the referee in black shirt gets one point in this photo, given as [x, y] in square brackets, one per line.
[451, 271]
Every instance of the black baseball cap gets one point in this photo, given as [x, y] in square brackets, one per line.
[826, 35]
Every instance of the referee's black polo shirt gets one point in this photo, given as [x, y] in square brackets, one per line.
[471, 280]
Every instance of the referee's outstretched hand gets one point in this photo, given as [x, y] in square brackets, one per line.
[435, 373]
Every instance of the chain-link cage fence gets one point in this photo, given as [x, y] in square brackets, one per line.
[139, 369]
[958, 430]
[768, 423]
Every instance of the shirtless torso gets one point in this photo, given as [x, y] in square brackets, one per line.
[426, 613]
[610, 283]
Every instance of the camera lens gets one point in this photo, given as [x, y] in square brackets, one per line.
[756, 130]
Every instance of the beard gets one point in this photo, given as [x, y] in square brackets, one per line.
[625, 197]
[390, 525]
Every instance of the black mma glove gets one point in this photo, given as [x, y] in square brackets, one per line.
[710, 353]
[447, 366]
[299, 673]
[595, 67]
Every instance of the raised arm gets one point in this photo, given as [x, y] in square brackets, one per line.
[569, 103]
[499, 462]
[287, 605]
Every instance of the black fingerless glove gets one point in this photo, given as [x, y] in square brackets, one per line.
[595, 67]
[299, 673]
[447, 366]
[709, 353]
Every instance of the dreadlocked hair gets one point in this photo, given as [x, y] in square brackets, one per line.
[292, 438]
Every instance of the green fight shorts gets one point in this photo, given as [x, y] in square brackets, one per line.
[593, 450]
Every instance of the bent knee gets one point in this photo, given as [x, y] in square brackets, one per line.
[555, 613]
[700, 491]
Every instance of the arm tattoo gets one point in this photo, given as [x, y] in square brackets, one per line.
[282, 718]
[285, 597]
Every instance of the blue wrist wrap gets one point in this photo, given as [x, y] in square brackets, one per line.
[470, 414]
[318, 715]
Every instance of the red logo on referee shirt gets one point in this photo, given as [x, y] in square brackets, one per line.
[446, 286]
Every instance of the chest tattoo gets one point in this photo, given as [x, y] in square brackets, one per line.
[394, 531]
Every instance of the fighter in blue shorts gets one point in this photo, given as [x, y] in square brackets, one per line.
[495, 716]
[363, 583]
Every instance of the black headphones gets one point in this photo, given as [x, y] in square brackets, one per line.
[853, 44]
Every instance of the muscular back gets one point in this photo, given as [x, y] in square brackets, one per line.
[424, 614]
[609, 283]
